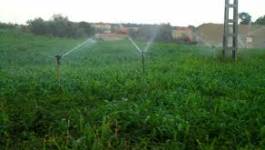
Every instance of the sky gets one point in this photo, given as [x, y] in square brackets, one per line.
[175, 12]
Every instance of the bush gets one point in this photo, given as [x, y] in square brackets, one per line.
[60, 26]
[7, 26]
[261, 20]
[165, 33]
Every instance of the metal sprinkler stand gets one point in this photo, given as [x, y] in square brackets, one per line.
[58, 64]
[143, 61]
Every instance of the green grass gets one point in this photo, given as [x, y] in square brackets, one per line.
[188, 98]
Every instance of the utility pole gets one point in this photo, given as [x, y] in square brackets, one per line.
[230, 41]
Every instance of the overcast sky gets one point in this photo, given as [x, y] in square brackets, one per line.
[176, 12]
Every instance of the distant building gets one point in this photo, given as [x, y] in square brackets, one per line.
[183, 33]
[110, 36]
[102, 27]
[249, 36]
[110, 32]
[123, 29]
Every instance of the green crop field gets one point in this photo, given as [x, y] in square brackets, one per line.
[188, 97]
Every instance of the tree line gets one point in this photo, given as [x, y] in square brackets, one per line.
[246, 18]
[60, 26]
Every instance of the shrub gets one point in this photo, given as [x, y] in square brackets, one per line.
[60, 26]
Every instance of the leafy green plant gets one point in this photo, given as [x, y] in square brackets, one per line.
[188, 100]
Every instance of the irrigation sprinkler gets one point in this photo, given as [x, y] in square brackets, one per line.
[143, 62]
[140, 51]
[58, 58]
[58, 67]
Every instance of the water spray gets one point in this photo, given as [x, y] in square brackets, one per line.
[142, 51]
[77, 47]
[134, 44]
[58, 58]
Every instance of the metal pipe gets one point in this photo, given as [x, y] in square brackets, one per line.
[58, 67]
[143, 62]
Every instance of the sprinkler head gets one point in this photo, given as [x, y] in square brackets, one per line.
[58, 59]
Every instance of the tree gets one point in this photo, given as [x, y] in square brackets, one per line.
[260, 20]
[37, 26]
[87, 28]
[9, 25]
[245, 18]
[165, 33]
[60, 26]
